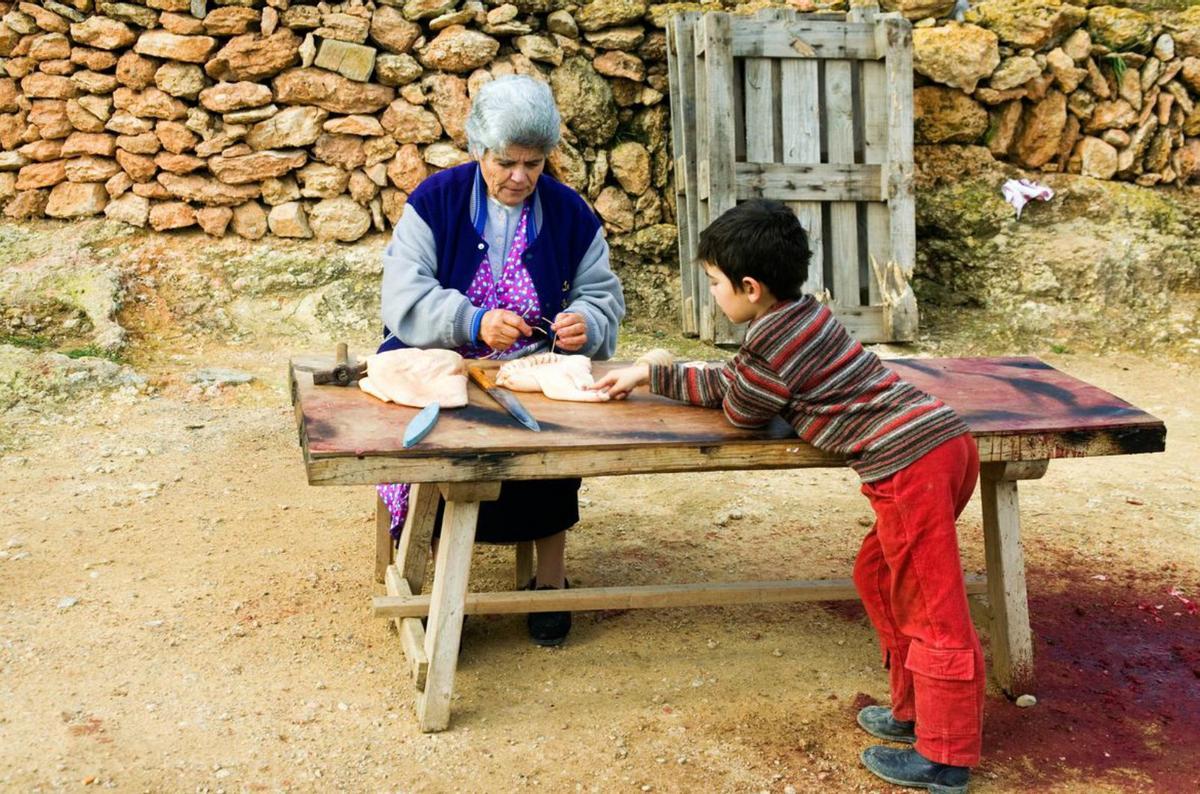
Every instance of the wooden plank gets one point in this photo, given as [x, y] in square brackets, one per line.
[703, 299]
[801, 130]
[642, 597]
[412, 633]
[839, 120]
[524, 566]
[803, 39]
[842, 182]
[720, 129]
[875, 105]
[760, 98]
[412, 553]
[895, 37]
[1011, 637]
[681, 63]
[451, 573]
[470, 491]
[383, 539]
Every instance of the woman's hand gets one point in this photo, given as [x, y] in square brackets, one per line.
[570, 331]
[501, 329]
[620, 382]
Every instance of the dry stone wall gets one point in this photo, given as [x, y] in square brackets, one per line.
[315, 120]
[1050, 85]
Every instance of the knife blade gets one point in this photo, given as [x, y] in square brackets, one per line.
[419, 426]
[507, 399]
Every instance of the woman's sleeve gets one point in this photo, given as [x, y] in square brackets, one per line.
[414, 305]
[596, 295]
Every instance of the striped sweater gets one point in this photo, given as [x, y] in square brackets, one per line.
[799, 362]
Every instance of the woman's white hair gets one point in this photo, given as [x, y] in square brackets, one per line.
[513, 110]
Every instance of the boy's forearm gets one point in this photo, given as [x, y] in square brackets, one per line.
[698, 385]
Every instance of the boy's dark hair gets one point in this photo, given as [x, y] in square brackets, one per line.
[762, 240]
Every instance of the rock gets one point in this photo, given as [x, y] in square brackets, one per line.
[27, 204]
[955, 55]
[585, 101]
[447, 96]
[630, 164]
[178, 163]
[140, 168]
[1025, 701]
[40, 175]
[1036, 24]
[1186, 32]
[291, 127]
[366, 126]
[344, 151]
[1002, 128]
[352, 61]
[1015, 71]
[45, 86]
[567, 165]
[118, 185]
[396, 70]
[380, 150]
[1164, 47]
[391, 31]
[1107, 115]
[1041, 130]
[49, 47]
[615, 207]
[945, 115]
[181, 24]
[601, 14]
[915, 10]
[1096, 158]
[249, 221]
[540, 48]
[1187, 161]
[444, 155]
[624, 39]
[464, 17]
[227, 97]
[203, 190]
[280, 191]
[320, 180]
[214, 220]
[620, 64]
[180, 79]
[142, 143]
[562, 23]
[457, 49]
[135, 71]
[330, 92]
[408, 123]
[257, 166]
[301, 17]
[49, 116]
[130, 209]
[1066, 73]
[103, 33]
[89, 143]
[407, 169]
[288, 220]
[340, 218]
[1121, 28]
[76, 200]
[362, 188]
[253, 57]
[161, 44]
[230, 21]
[168, 215]
[149, 104]
[1190, 73]
[67, 602]
[90, 169]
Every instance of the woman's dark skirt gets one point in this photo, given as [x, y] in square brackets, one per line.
[526, 510]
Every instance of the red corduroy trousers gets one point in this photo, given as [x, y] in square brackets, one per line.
[910, 579]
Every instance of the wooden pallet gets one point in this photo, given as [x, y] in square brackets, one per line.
[813, 111]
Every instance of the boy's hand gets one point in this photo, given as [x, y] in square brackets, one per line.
[620, 382]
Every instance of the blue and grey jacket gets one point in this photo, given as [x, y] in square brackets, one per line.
[440, 240]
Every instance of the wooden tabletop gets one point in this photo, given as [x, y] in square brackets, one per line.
[1018, 408]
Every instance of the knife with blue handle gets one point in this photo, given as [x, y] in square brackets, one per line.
[420, 425]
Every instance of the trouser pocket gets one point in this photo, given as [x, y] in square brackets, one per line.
[947, 684]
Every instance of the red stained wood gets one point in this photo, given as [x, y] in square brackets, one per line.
[1017, 396]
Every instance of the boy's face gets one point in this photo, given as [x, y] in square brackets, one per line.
[738, 306]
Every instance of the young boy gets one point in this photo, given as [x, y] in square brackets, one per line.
[918, 466]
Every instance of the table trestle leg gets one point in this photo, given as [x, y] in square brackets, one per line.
[1011, 636]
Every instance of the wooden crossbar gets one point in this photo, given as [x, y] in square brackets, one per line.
[641, 597]
[804, 40]
[809, 182]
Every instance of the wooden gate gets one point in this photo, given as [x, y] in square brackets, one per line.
[815, 111]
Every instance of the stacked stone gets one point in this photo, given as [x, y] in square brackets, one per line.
[315, 120]
[1107, 92]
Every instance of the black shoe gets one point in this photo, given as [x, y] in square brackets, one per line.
[548, 629]
[907, 767]
[878, 721]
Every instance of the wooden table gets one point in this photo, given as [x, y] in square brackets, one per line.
[1022, 412]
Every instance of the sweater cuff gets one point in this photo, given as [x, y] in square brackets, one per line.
[462, 323]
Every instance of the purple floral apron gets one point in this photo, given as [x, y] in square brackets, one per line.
[514, 292]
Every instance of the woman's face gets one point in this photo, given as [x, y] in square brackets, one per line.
[512, 174]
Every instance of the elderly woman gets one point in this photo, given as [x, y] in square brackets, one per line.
[495, 258]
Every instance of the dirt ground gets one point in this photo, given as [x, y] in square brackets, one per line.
[179, 610]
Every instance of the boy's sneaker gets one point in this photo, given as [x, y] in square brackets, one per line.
[907, 767]
[878, 721]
